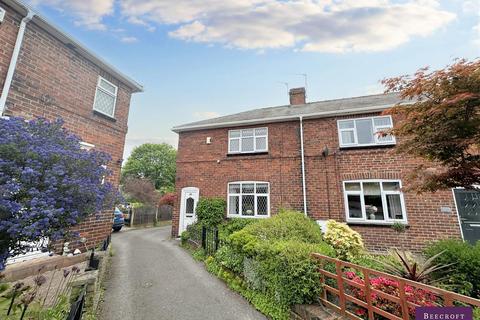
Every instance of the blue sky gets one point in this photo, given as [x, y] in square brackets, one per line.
[199, 59]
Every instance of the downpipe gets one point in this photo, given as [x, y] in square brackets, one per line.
[302, 151]
[14, 59]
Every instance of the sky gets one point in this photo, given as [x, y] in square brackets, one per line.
[199, 59]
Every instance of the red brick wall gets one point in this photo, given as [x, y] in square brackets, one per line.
[198, 166]
[52, 81]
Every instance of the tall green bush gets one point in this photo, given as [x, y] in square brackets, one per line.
[229, 226]
[211, 211]
[274, 257]
[465, 278]
[288, 225]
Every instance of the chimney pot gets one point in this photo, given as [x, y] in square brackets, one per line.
[297, 96]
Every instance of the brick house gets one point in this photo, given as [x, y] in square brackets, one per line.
[46, 73]
[322, 158]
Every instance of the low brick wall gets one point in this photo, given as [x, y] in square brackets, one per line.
[312, 312]
[92, 282]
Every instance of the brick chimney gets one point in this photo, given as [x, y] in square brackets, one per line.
[297, 96]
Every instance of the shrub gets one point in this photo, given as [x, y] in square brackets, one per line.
[184, 237]
[414, 267]
[288, 271]
[288, 225]
[211, 211]
[274, 256]
[193, 233]
[168, 199]
[230, 226]
[230, 258]
[48, 184]
[417, 296]
[466, 263]
[347, 243]
[371, 261]
[261, 301]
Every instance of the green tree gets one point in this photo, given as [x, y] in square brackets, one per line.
[441, 125]
[155, 162]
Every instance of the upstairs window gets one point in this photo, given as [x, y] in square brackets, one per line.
[248, 140]
[105, 97]
[364, 131]
[374, 201]
[249, 199]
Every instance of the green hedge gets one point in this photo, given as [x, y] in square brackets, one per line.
[211, 211]
[261, 301]
[230, 226]
[288, 225]
[464, 274]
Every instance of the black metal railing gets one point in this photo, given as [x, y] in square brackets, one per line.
[210, 240]
[76, 309]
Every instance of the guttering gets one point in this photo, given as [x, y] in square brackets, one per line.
[321, 114]
[14, 59]
[302, 151]
[73, 44]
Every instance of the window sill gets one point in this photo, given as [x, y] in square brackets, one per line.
[103, 115]
[247, 217]
[368, 146]
[377, 224]
[247, 154]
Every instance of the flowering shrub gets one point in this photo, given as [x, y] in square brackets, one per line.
[47, 183]
[420, 297]
[167, 199]
[347, 243]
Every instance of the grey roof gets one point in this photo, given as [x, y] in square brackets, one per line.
[319, 109]
[77, 46]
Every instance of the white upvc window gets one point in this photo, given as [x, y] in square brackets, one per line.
[248, 140]
[248, 199]
[86, 146]
[374, 201]
[364, 131]
[105, 97]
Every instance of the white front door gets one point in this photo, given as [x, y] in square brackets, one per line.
[187, 207]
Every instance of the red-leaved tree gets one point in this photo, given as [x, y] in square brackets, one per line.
[441, 124]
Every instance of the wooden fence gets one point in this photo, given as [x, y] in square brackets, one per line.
[349, 287]
[147, 215]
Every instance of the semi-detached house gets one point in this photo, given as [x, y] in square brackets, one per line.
[46, 73]
[322, 158]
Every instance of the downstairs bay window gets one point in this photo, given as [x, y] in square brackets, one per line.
[250, 199]
[374, 201]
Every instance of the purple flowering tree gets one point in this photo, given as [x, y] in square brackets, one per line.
[48, 183]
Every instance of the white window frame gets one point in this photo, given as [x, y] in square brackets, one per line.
[384, 193]
[239, 195]
[255, 150]
[86, 146]
[100, 78]
[376, 129]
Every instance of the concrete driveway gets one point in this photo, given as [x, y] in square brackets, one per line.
[151, 277]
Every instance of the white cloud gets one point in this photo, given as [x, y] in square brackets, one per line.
[88, 13]
[476, 35]
[304, 25]
[307, 25]
[471, 6]
[201, 115]
[128, 39]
